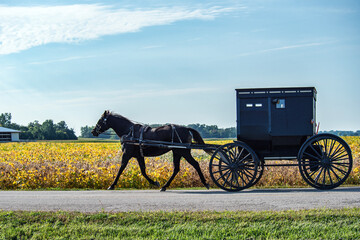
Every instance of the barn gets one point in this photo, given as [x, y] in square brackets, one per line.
[9, 135]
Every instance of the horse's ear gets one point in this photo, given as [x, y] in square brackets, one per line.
[107, 112]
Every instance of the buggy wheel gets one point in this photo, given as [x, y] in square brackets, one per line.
[325, 161]
[234, 166]
[260, 172]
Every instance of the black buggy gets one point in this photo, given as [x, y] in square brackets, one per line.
[272, 124]
[279, 123]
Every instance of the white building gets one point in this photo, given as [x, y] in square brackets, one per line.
[9, 135]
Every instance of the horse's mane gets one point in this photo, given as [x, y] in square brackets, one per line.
[119, 116]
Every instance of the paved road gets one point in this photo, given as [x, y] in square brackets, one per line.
[171, 200]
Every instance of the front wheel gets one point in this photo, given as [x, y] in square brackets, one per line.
[325, 161]
[234, 166]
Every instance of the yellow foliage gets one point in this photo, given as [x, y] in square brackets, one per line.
[70, 165]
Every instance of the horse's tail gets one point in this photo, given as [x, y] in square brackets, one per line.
[198, 139]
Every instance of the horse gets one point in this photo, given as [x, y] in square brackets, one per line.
[167, 133]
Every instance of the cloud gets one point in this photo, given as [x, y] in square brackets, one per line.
[86, 98]
[24, 27]
[62, 60]
[283, 48]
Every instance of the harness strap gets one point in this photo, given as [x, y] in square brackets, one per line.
[141, 138]
[173, 132]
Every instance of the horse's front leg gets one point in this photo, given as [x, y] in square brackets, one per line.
[124, 161]
[141, 162]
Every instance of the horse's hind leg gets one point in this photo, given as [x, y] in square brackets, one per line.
[141, 162]
[177, 158]
[195, 164]
[124, 161]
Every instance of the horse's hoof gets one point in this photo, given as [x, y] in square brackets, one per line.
[111, 188]
[157, 184]
[163, 189]
[207, 186]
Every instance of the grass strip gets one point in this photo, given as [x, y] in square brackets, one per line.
[302, 224]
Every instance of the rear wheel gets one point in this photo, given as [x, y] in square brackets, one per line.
[260, 172]
[234, 166]
[325, 161]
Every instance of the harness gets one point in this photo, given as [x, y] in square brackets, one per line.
[141, 140]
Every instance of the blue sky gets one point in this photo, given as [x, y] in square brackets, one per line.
[175, 61]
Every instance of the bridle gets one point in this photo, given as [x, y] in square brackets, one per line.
[98, 126]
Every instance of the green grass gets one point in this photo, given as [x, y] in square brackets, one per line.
[304, 224]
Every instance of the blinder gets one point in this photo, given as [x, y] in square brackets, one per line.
[99, 126]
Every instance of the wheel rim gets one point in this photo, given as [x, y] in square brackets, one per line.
[259, 173]
[233, 167]
[325, 162]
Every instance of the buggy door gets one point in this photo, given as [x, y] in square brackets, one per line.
[291, 116]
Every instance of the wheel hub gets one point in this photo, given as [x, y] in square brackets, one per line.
[233, 166]
[325, 162]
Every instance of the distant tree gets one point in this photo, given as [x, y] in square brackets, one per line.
[45, 131]
[5, 119]
[63, 132]
[86, 132]
[48, 130]
[213, 131]
[34, 129]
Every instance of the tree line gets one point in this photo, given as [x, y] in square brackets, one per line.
[47, 130]
[343, 133]
[206, 131]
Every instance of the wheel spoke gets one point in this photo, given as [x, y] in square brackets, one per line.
[344, 159]
[338, 148]
[315, 151]
[222, 175]
[340, 156]
[242, 150]
[337, 176]
[321, 148]
[243, 180]
[248, 168]
[331, 181]
[341, 159]
[333, 142]
[340, 170]
[318, 176]
[236, 178]
[339, 153]
[319, 159]
[244, 158]
[231, 155]
[325, 144]
[246, 175]
[313, 173]
[221, 170]
[324, 177]
[224, 158]
[341, 164]
[226, 180]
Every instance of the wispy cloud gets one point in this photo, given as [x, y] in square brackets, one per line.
[24, 27]
[84, 97]
[283, 48]
[61, 60]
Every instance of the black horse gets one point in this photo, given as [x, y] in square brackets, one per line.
[168, 133]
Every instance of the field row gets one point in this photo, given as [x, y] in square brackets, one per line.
[61, 165]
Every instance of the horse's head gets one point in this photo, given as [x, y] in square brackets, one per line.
[101, 125]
